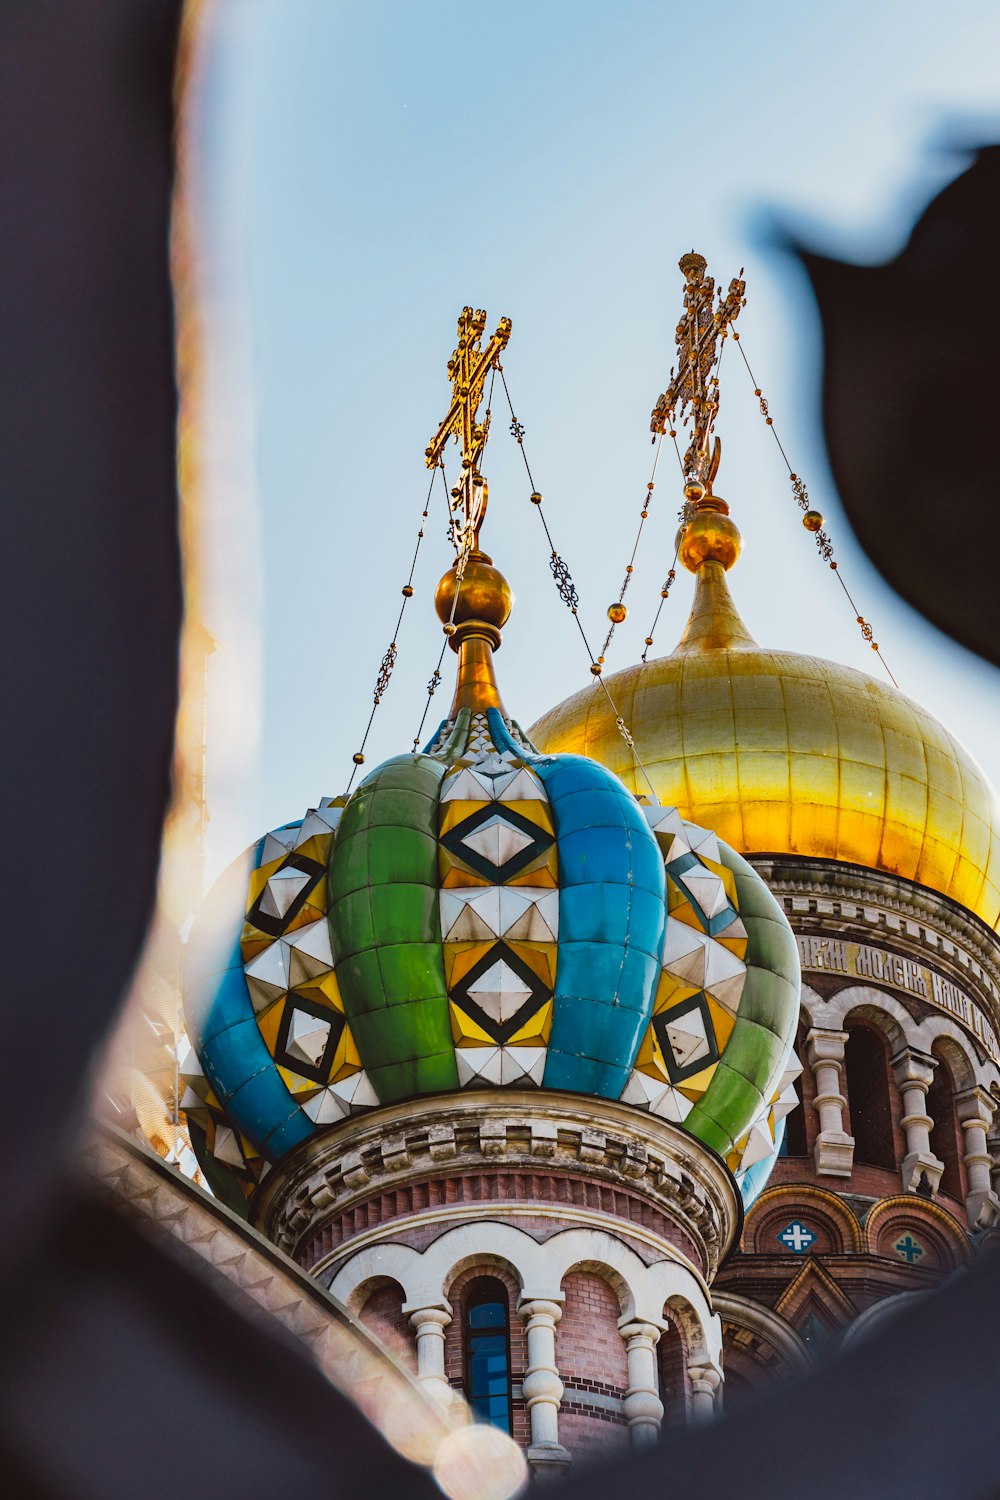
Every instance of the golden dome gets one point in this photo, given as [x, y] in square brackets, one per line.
[785, 754]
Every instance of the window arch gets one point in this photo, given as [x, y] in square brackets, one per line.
[946, 1133]
[486, 1327]
[866, 1065]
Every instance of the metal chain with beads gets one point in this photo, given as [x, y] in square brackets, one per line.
[567, 589]
[389, 659]
[812, 519]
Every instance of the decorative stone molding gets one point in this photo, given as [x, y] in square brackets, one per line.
[265, 1284]
[689, 1204]
[829, 898]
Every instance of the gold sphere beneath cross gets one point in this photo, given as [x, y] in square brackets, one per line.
[710, 536]
[484, 596]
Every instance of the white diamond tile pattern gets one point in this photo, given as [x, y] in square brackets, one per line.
[687, 1038]
[500, 992]
[307, 1037]
[281, 890]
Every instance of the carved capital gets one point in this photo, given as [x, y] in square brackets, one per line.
[705, 1379]
[640, 1333]
[913, 1070]
[539, 1311]
[825, 1047]
[975, 1107]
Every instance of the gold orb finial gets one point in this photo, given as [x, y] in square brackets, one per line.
[710, 535]
[484, 600]
[472, 624]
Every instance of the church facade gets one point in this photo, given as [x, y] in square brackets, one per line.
[605, 1078]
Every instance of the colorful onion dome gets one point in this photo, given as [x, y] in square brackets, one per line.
[789, 754]
[481, 915]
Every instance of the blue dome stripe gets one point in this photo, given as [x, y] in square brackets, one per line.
[612, 916]
[612, 921]
[267, 1114]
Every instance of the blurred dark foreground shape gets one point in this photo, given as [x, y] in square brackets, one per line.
[125, 1372]
[910, 400]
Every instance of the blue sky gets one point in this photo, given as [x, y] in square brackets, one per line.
[367, 169]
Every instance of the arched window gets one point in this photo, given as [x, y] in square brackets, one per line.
[487, 1352]
[869, 1100]
[946, 1133]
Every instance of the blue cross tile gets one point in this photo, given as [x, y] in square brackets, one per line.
[796, 1237]
[909, 1249]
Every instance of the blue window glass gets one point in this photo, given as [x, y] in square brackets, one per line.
[487, 1353]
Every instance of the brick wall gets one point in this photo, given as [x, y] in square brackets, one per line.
[590, 1356]
[586, 1435]
[383, 1314]
[501, 1186]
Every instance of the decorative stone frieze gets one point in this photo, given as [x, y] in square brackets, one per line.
[889, 913]
[524, 1155]
[858, 927]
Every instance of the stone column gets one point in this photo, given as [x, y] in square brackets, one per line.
[541, 1385]
[975, 1109]
[705, 1380]
[642, 1406]
[993, 1147]
[429, 1324]
[834, 1152]
[914, 1072]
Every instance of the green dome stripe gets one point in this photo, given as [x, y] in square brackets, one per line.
[758, 1050]
[386, 931]
[454, 745]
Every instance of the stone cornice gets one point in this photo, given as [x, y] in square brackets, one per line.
[488, 1130]
[265, 1283]
[839, 899]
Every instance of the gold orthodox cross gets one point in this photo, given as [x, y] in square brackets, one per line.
[693, 391]
[467, 371]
